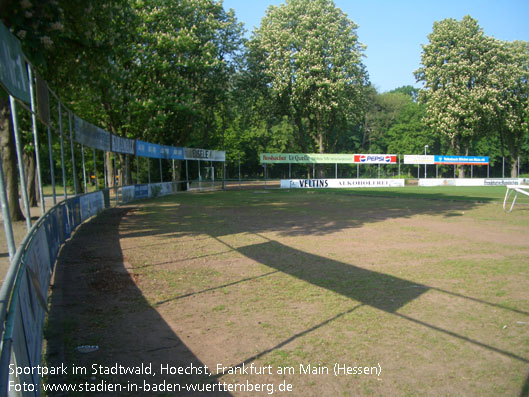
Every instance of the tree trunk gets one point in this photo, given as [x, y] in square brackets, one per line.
[9, 160]
[514, 166]
[110, 169]
[29, 166]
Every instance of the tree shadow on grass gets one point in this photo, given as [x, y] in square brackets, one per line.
[96, 302]
[96, 287]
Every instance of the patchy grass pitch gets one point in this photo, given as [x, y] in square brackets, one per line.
[426, 290]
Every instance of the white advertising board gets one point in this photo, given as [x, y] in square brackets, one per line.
[339, 183]
[419, 159]
[470, 181]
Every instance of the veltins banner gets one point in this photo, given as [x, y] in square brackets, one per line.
[339, 183]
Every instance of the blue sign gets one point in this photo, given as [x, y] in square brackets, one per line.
[141, 191]
[462, 160]
[171, 152]
[146, 149]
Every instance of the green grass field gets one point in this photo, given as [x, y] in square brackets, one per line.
[428, 288]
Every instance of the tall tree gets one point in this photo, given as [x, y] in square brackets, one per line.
[311, 58]
[455, 70]
[510, 83]
[33, 23]
[184, 64]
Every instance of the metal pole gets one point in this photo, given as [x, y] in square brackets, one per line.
[399, 164]
[105, 176]
[95, 169]
[115, 176]
[127, 171]
[336, 171]
[379, 171]
[187, 175]
[149, 169]
[20, 161]
[357, 171]
[35, 137]
[174, 173]
[52, 166]
[313, 171]
[503, 168]
[8, 227]
[488, 170]
[74, 172]
[84, 169]
[212, 175]
[437, 170]
[418, 171]
[62, 152]
[224, 175]
[138, 170]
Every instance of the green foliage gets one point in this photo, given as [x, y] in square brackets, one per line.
[309, 55]
[475, 86]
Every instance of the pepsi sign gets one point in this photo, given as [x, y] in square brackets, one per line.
[375, 158]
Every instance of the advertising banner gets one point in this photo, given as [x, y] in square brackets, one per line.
[171, 152]
[146, 149]
[445, 160]
[127, 194]
[375, 158]
[419, 159]
[161, 189]
[470, 181]
[73, 212]
[91, 204]
[122, 145]
[141, 191]
[54, 231]
[13, 70]
[306, 158]
[339, 183]
[204, 154]
[89, 135]
[462, 160]
[33, 294]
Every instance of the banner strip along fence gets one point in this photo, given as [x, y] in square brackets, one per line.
[23, 294]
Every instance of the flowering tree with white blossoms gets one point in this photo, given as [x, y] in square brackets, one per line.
[511, 105]
[475, 85]
[311, 57]
[456, 68]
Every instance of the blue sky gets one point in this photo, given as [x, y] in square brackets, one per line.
[394, 30]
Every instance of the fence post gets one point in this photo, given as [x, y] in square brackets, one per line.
[35, 137]
[21, 172]
[95, 169]
[62, 151]
[74, 172]
[84, 169]
[52, 166]
[8, 227]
